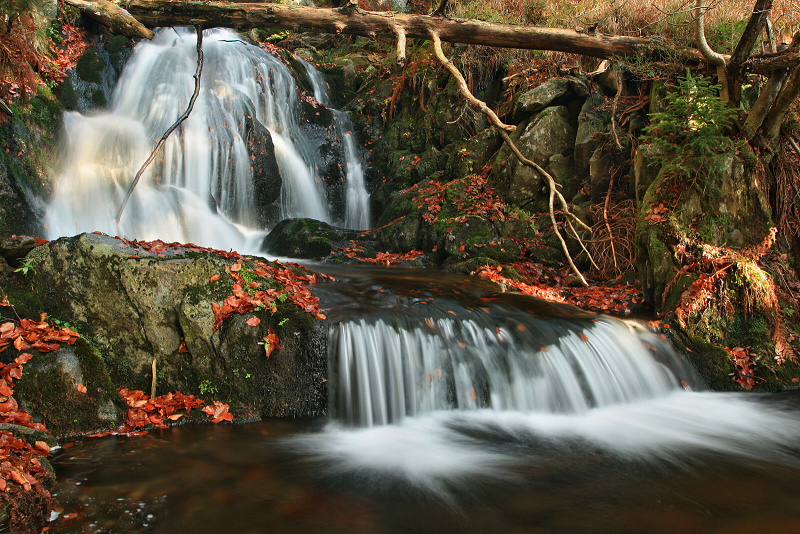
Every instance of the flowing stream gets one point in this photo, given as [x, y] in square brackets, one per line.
[215, 181]
[454, 408]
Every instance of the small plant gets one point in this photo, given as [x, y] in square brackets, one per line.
[692, 127]
[26, 266]
[207, 388]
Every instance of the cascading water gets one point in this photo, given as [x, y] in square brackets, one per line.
[357, 214]
[387, 372]
[445, 388]
[241, 161]
[457, 409]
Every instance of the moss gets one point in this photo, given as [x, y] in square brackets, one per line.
[99, 98]
[89, 66]
[50, 393]
[712, 363]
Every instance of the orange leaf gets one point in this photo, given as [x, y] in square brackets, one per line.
[81, 388]
[271, 342]
[42, 447]
[253, 321]
[583, 337]
[214, 278]
[23, 358]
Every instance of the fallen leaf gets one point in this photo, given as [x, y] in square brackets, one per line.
[253, 321]
[81, 388]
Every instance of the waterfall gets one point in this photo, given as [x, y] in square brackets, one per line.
[387, 372]
[454, 387]
[243, 159]
[357, 214]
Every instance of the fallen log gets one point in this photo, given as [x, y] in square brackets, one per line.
[352, 20]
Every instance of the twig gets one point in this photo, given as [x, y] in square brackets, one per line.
[504, 129]
[605, 215]
[153, 381]
[172, 128]
[620, 81]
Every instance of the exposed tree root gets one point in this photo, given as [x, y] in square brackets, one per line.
[504, 129]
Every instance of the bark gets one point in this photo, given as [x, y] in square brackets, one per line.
[711, 56]
[767, 96]
[776, 115]
[745, 45]
[113, 16]
[352, 20]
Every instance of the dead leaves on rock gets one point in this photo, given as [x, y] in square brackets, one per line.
[248, 296]
[144, 411]
[544, 283]
[39, 335]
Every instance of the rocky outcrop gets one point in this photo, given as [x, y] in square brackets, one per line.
[145, 312]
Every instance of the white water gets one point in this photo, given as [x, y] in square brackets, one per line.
[200, 188]
[447, 404]
[357, 214]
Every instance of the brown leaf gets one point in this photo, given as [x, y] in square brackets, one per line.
[253, 321]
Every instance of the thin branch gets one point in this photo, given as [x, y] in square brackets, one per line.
[620, 81]
[608, 226]
[462, 84]
[171, 128]
[504, 129]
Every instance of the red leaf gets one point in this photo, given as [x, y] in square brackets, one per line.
[214, 278]
[81, 388]
[23, 358]
[271, 342]
[583, 337]
[254, 321]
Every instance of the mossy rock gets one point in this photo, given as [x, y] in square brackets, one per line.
[48, 390]
[138, 306]
[26, 162]
[90, 66]
[306, 238]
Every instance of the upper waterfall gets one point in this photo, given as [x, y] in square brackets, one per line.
[245, 158]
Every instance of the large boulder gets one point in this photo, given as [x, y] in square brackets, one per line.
[150, 311]
[550, 133]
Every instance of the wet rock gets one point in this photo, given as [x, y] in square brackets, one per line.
[138, 306]
[306, 238]
[267, 179]
[14, 249]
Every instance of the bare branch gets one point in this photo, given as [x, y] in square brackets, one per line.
[462, 84]
[711, 56]
[172, 128]
[401, 45]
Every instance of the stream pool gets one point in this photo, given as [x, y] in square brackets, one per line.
[266, 477]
